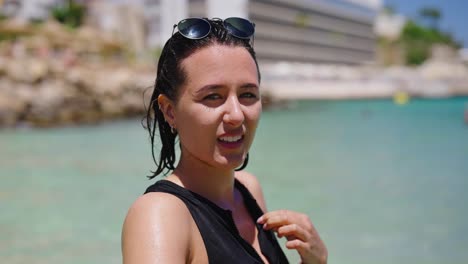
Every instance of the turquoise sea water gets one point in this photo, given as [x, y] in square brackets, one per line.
[382, 183]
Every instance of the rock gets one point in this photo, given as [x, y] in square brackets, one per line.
[435, 89]
[57, 34]
[132, 103]
[10, 109]
[79, 109]
[443, 70]
[3, 66]
[57, 68]
[89, 39]
[21, 91]
[39, 45]
[48, 102]
[82, 78]
[37, 70]
[112, 83]
[443, 65]
[15, 27]
[28, 71]
[53, 75]
[111, 107]
[15, 70]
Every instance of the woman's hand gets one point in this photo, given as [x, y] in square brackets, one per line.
[300, 233]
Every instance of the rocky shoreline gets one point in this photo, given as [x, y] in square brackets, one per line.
[441, 76]
[53, 77]
[56, 77]
[83, 94]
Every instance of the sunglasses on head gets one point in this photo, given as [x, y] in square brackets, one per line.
[198, 28]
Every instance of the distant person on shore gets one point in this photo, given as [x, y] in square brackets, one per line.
[207, 210]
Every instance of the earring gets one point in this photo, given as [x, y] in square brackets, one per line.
[173, 131]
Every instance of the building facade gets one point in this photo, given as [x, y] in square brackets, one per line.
[310, 31]
[303, 31]
[317, 31]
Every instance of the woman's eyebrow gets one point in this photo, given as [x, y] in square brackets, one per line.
[249, 86]
[209, 87]
[215, 87]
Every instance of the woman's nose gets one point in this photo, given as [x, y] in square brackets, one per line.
[233, 114]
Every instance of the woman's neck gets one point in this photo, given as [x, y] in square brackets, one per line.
[215, 184]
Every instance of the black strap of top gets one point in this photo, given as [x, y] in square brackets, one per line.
[264, 238]
[209, 217]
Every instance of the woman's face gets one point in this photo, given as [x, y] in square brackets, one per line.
[219, 106]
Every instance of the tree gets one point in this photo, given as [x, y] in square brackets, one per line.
[432, 15]
[70, 13]
[418, 41]
[389, 10]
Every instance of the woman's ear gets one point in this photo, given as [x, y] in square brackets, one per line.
[167, 108]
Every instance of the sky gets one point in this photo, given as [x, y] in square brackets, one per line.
[454, 14]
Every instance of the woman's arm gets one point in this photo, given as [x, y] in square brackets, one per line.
[156, 230]
[296, 227]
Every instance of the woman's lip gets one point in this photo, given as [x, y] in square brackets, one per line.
[231, 145]
[231, 135]
[238, 134]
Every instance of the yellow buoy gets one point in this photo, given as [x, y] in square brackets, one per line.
[401, 98]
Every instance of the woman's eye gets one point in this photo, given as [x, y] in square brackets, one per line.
[212, 97]
[248, 95]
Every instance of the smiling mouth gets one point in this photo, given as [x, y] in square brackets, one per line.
[231, 139]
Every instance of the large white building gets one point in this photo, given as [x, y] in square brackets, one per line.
[292, 30]
[332, 31]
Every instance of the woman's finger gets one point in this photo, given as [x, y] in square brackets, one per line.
[275, 219]
[315, 251]
[293, 231]
[271, 214]
[297, 244]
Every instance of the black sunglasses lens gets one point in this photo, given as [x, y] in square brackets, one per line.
[239, 27]
[194, 28]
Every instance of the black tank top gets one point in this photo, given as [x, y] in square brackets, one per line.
[222, 240]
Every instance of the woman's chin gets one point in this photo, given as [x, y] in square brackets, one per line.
[231, 162]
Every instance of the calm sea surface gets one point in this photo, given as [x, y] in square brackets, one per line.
[382, 183]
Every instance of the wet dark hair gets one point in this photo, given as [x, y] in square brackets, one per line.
[170, 77]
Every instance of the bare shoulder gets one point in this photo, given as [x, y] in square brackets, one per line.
[253, 185]
[150, 228]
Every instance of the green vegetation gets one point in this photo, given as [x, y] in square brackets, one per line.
[432, 15]
[418, 39]
[389, 9]
[71, 14]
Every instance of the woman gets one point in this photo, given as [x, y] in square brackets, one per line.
[205, 211]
